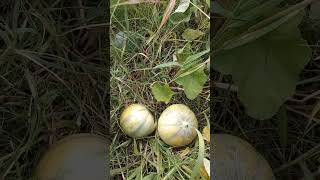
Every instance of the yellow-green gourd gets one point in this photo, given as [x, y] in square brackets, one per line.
[75, 157]
[177, 125]
[137, 121]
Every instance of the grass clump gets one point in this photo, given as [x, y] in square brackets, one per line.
[52, 78]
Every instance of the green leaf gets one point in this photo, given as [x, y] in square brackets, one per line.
[246, 5]
[267, 69]
[249, 37]
[193, 83]
[182, 13]
[184, 72]
[254, 13]
[183, 53]
[191, 34]
[162, 93]
[193, 60]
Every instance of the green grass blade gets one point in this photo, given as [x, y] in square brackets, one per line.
[199, 161]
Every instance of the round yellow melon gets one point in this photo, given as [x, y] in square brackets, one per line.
[177, 125]
[75, 157]
[236, 159]
[137, 121]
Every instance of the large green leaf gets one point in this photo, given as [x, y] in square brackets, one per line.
[250, 14]
[193, 82]
[267, 69]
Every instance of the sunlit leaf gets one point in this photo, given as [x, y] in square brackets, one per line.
[191, 34]
[183, 53]
[162, 93]
[182, 13]
[193, 83]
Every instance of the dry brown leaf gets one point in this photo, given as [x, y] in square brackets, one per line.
[205, 169]
[131, 2]
[184, 152]
[206, 133]
[167, 13]
[142, 1]
[165, 18]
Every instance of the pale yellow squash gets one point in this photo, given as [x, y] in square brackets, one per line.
[137, 121]
[236, 159]
[177, 125]
[75, 157]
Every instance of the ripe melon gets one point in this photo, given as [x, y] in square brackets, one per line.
[236, 159]
[75, 157]
[177, 125]
[137, 121]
